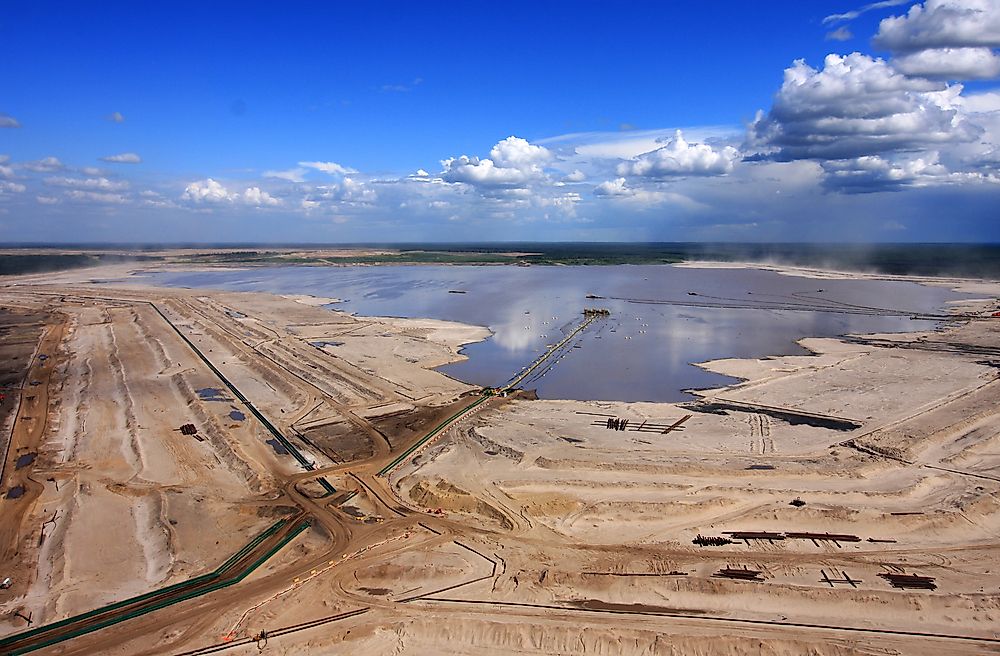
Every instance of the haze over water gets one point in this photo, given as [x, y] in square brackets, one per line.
[641, 352]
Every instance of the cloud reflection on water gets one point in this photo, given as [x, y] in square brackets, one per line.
[641, 352]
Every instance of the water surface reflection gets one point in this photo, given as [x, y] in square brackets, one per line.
[642, 352]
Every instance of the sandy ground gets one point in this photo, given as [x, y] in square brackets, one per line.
[128, 502]
[527, 526]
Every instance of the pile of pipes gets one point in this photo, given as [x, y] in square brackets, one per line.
[711, 541]
[910, 581]
[740, 574]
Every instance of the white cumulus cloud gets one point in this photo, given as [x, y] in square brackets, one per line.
[211, 191]
[872, 125]
[945, 39]
[942, 24]
[207, 191]
[484, 173]
[616, 188]
[951, 63]
[255, 196]
[874, 173]
[678, 158]
[514, 152]
[44, 165]
[7, 121]
[857, 105]
[347, 191]
[513, 163]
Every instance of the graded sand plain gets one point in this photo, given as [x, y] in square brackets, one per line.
[526, 526]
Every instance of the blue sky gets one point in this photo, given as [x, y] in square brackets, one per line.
[486, 121]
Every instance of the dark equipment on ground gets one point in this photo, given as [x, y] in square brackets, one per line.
[746, 536]
[835, 538]
[711, 541]
[910, 581]
[740, 574]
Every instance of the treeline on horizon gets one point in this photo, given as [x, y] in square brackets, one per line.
[16, 264]
[959, 260]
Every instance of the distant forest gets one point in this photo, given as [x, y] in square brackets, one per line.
[960, 260]
[16, 264]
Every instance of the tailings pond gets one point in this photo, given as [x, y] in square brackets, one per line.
[663, 318]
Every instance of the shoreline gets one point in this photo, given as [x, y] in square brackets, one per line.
[956, 283]
[953, 283]
[466, 333]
